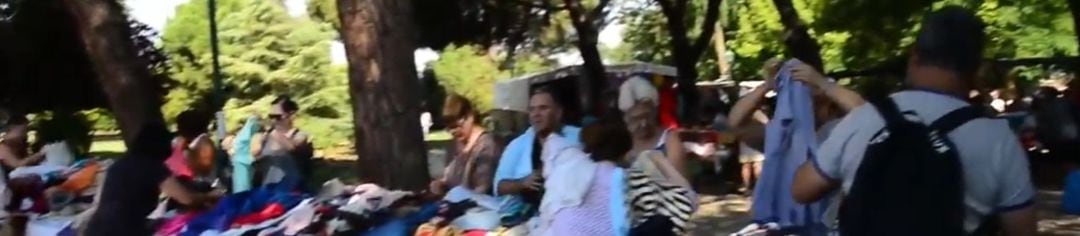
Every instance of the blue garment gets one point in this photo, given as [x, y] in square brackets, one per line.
[228, 208]
[242, 159]
[1070, 199]
[516, 163]
[789, 141]
[516, 160]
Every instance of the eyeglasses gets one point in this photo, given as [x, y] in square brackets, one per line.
[275, 116]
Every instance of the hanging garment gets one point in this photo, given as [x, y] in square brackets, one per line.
[790, 140]
[242, 159]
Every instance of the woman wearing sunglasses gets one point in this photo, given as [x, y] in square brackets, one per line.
[285, 153]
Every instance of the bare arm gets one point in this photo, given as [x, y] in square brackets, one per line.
[675, 153]
[172, 188]
[667, 168]
[809, 186]
[746, 107]
[8, 157]
[1019, 222]
[845, 98]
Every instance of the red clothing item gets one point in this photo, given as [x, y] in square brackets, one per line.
[269, 212]
[667, 108]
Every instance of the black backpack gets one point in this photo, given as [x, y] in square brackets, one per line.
[910, 181]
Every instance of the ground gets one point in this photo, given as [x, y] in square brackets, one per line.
[722, 215]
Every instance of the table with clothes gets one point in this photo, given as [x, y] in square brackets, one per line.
[275, 209]
[54, 199]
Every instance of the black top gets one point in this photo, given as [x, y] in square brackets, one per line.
[129, 194]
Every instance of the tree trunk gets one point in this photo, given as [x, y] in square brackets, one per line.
[379, 38]
[797, 39]
[585, 24]
[686, 52]
[134, 97]
[721, 53]
[1074, 7]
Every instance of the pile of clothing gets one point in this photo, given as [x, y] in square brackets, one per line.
[59, 201]
[274, 210]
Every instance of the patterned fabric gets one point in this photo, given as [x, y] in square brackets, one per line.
[650, 198]
[474, 169]
[592, 217]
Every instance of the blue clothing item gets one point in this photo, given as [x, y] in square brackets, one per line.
[617, 206]
[1070, 199]
[228, 208]
[790, 140]
[242, 159]
[516, 160]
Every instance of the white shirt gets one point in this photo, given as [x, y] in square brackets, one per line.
[996, 175]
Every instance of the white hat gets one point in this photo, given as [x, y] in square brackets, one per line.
[636, 89]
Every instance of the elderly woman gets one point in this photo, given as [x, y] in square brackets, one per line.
[638, 100]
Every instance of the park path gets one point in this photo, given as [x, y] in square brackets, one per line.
[722, 215]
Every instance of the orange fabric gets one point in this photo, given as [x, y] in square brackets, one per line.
[81, 179]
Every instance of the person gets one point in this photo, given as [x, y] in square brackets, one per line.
[15, 145]
[518, 175]
[588, 188]
[193, 147]
[285, 153]
[474, 152]
[638, 101]
[748, 120]
[133, 184]
[940, 72]
[474, 156]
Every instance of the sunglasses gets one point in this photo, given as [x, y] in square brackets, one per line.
[275, 116]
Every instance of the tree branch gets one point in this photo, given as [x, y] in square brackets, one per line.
[544, 5]
[708, 27]
[598, 11]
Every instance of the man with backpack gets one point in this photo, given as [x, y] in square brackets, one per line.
[923, 161]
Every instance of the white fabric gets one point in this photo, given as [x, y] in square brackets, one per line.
[459, 193]
[371, 198]
[58, 154]
[568, 172]
[636, 89]
[47, 226]
[35, 170]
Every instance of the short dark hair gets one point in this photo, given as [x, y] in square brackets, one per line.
[952, 38]
[457, 107]
[191, 124]
[151, 142]
[287, 104]
[550, 91]
[606, 139]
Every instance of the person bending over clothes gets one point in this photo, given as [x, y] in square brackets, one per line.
[133, 184]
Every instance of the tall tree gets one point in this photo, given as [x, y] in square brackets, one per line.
[797, 37]
[587, 22]
[379, 38]
[685, 52]
[106, 36]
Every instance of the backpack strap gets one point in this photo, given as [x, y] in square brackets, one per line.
[956, 118]
[888, 110]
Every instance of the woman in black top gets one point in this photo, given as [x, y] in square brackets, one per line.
[133, 184]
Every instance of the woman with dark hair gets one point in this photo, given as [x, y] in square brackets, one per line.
[474, 152]
[588, 191]
[132, 186]
[285, 155]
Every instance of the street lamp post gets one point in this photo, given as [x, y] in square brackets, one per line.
[217, 99]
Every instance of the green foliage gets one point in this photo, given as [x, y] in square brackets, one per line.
[647, 39]
[471, 72]
[858, 34]
[264, 53]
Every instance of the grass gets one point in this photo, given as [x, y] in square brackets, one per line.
[438, 136]
[107, 148]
